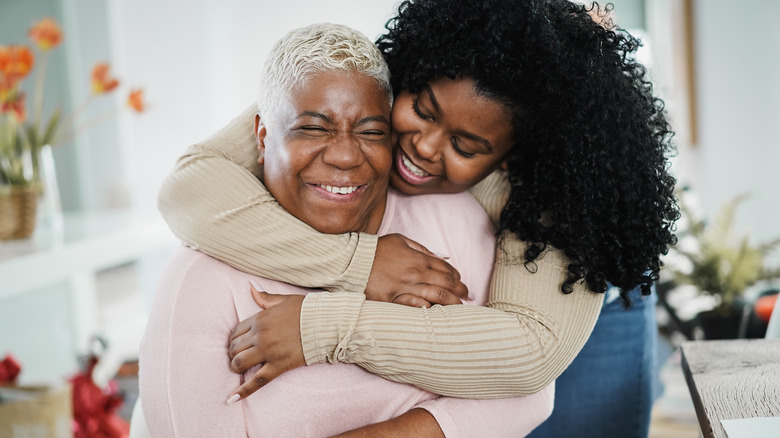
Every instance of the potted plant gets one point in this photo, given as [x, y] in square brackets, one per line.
[22, 138]
[721, 263]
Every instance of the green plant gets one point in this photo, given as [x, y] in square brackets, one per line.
[725, 263]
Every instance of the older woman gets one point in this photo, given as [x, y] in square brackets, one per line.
[323, 138]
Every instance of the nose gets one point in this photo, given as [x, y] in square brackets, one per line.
[343, 152]
[428, 144]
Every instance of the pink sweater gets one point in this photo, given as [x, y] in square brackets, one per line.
[185, 378]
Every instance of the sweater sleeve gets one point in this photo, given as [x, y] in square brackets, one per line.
[526, 336]
[214, 201]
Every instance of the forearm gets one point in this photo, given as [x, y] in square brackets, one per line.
[416, 423]
[527, 336]
[213, 201]
[495, 418]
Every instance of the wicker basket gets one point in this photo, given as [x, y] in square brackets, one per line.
[18, 205]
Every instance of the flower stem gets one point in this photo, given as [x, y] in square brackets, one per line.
[76, 113]
[40, 83]
[89, 124]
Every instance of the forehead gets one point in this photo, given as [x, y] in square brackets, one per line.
[460, 100]
[338, 94]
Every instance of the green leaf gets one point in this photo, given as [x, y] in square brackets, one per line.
[51, 127]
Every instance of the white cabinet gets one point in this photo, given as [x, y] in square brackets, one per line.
[49, 299]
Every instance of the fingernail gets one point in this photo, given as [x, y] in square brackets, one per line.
[256, 285]
[442, 256]
[233, 399]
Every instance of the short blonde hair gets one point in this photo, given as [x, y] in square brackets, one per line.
[316, 48]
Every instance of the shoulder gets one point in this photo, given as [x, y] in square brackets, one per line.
[193, 270]
[514, 252]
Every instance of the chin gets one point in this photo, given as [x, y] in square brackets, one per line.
[400, 184]
[333, 227]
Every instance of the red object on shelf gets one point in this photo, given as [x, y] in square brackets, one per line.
[9, 369]
[764, 306]
[95, 410]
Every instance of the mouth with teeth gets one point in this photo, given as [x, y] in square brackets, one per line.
[339, 193]
[339, 190]
[409, 171]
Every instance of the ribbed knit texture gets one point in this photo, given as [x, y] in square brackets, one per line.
[529, 333]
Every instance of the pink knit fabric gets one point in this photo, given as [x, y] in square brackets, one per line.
[185, 378]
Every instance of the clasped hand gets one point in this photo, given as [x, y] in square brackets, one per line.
[404, 272]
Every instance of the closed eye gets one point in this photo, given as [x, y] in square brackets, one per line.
[314, 130]
[420, 114]
[460, 151]
[373, 132]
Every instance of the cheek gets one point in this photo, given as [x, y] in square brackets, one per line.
[284, 165]
[381, 159]
[466, 173]
[403, 117]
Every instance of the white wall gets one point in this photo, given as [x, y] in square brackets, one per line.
[737, 75]
[198, 62]
[736, 61]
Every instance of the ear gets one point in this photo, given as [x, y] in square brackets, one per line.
[260, 133]
[504, 166]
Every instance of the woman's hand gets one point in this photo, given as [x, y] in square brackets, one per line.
[271, 337]
[405, 272]
[417, 423]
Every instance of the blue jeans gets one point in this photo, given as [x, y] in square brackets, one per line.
[607, 391]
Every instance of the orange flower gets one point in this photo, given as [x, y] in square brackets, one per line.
[15, 106]
[136, 100]
[15, 63]
[101, 81]
[6, 89]
[46, 34]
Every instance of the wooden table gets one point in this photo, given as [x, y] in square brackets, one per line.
[731, 380]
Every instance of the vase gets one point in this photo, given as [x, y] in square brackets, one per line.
[722, 323]
[25, 208]
[49, 219]
[18, 207]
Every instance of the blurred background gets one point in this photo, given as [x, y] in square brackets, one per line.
[91, 269]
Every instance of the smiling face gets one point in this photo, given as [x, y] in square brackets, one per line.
[327, 153]
[447, 137]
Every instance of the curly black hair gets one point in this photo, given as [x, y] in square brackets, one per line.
[589, 169]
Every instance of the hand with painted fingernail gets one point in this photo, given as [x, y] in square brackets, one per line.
[272, 337]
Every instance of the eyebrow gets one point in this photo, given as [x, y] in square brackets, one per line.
[469, 135]
[363, 121]
[314, 114]
[369, 119]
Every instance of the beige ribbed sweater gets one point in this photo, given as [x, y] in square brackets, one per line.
[526, 336]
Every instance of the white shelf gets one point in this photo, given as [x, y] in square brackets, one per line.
[89, 242]
[49, 306]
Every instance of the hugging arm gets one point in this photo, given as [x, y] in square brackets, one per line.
[453, 417]
[214, 202]
[415, 422]
[519, 344]
[525, 338]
